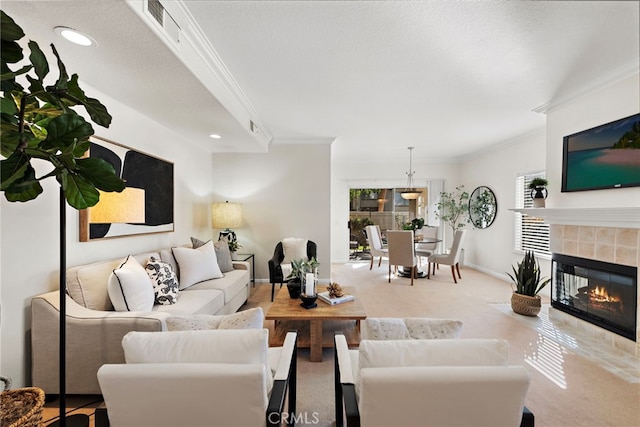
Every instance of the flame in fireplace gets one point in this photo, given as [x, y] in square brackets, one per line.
[600, 294]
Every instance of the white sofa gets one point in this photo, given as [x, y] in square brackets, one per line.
[95, 331]
[200, 378]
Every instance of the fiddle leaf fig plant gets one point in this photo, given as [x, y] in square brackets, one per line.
[38, 123]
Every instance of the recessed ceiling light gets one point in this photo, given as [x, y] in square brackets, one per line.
[215, 136]
[74, 36]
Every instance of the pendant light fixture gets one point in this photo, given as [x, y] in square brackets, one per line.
[410, 192]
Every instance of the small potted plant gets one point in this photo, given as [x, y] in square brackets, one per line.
[299, 267]
[528, 283]
[539, 192]
[232, 242]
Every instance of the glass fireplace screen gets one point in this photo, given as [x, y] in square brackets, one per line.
[601, 293]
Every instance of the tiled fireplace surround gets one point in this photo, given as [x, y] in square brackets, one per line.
[603, 243]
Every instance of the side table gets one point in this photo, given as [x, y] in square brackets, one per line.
[247, 257]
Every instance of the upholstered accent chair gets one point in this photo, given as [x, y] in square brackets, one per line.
[199, 378]
[401, 251]
[429, 382]
[376, 249]
[287, 250]
[452, 258]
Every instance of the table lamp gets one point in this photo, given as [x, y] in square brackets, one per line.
[225, 216]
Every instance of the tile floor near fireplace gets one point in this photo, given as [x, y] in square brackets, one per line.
[592, 347]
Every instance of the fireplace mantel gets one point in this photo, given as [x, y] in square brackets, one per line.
[620, 217]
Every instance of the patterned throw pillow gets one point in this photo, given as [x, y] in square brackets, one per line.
[391, 328]
[165, 282]
[252, 318]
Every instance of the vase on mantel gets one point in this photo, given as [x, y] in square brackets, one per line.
[539, 194]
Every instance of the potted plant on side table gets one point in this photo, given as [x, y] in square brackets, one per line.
[528, 283]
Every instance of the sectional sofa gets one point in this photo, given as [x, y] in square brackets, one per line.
[95, 329]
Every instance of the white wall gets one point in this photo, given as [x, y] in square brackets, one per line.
[284, 193]
[29, 247]
[491, 249]
[614, 102]
[385, 173]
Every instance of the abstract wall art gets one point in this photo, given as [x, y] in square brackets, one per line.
[146, 204]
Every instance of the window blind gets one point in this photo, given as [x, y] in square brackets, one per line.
[531, 234]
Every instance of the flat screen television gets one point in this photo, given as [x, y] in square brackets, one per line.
[606, 156]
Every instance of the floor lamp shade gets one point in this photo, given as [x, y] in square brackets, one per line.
[226, 215]
[126, 206]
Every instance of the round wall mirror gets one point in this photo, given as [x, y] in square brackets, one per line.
[483, 207]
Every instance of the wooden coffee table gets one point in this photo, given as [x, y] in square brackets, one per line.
[288, 314]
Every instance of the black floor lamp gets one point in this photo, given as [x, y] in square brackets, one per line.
[127, 206]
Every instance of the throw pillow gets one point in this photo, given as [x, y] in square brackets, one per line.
[196, 243]
[294, 248]
[165, 282]
[197, 265]
[247, 319]
[389, 328]
[252, 318]
[223, 255]
[130, 288]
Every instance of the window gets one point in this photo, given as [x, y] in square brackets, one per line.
[532, 234]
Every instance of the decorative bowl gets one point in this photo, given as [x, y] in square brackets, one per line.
[308, 301]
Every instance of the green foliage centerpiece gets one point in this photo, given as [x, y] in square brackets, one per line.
[299, 268]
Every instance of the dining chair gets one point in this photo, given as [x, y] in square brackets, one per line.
[375, 245]
[427, 249]
[401, 251]
[452, 258]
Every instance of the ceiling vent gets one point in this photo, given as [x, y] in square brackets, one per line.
[162, 17]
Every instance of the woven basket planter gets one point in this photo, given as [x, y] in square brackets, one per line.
[22, 407]
[526, 305]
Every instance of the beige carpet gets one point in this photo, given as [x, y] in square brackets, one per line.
[567, 388]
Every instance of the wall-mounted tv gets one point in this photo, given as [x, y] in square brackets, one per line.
[606, 156]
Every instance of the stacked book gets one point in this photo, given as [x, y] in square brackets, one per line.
[324, 296]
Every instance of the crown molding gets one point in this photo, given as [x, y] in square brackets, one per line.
[328, 140]
[536, 133]
[626, 70]
[200, 57]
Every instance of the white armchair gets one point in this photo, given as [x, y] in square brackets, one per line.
[198, 378]
[450, 382]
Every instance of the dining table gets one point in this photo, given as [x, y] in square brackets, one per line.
[420, 274]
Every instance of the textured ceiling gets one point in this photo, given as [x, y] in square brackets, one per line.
[449, 77]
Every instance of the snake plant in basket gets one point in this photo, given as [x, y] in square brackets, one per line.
[528, 283]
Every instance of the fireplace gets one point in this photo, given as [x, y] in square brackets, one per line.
[601, 293]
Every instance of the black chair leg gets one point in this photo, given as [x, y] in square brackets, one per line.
[273, 289]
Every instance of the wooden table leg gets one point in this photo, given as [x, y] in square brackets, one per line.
[315, 340]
